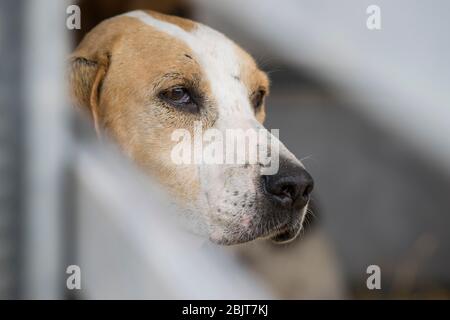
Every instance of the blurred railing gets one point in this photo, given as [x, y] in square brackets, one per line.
[129, 245]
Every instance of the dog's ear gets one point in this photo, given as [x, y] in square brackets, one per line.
[86, 74]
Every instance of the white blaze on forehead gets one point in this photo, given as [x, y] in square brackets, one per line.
[218, 57]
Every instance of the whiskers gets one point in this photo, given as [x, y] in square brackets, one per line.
[308, 157]
[308, 221]
[309, 211]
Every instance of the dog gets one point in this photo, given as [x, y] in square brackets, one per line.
[142, 75]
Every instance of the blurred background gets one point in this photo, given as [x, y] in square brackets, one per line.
[368, 112]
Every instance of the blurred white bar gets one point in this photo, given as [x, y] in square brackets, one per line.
[129, 246]
[46, 137]
[399, 76]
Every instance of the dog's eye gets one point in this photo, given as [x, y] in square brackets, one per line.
[258, 98]
[179, 97]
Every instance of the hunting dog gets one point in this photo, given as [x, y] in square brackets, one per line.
[142, 75]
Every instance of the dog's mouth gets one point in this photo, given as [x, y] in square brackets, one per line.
[289, 230]
[278, 226]
[286, 234]
[283, 234]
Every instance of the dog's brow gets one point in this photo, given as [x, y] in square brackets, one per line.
[169, 75]
[173, 75]
[191, 58]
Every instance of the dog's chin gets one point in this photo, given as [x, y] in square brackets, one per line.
[285, 235]
[280, 234]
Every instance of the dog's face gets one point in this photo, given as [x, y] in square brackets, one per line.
[144, 75]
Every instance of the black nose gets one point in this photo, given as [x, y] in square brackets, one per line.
[290, 188]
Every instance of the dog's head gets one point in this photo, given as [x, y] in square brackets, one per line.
[143, 76]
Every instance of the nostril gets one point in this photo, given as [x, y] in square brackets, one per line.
[284, 190]
[290, 190]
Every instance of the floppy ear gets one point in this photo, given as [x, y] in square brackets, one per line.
[85, 80]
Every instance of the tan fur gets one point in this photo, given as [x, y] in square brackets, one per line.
[254, 79]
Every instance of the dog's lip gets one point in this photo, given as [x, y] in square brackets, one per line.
[285, 234]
